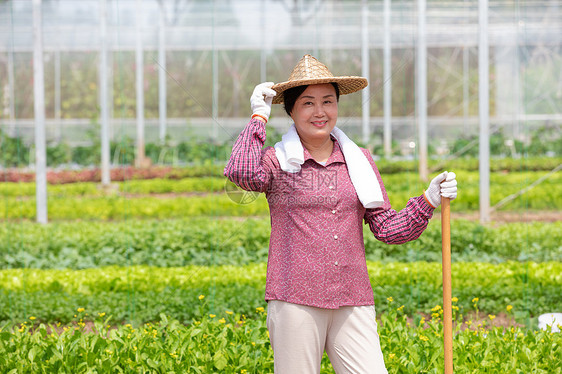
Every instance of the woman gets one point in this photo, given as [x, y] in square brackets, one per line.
[320, 188]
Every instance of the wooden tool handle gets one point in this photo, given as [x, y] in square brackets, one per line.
[447, 307]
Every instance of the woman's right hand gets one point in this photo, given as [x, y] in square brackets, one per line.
[261, 100]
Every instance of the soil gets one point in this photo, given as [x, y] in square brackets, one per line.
[509, 217]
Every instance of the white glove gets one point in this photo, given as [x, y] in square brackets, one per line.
[261, 99]
[444, 185]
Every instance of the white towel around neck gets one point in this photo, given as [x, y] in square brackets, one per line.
[290, 153]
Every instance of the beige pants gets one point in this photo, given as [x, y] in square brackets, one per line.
[299, 335]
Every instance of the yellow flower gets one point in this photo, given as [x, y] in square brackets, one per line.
[422, 321]
[454, 299]
[389, 299]
[424, 338]
[391, 356]
[475, 300]
[101, 314]
[509, 307]
[436, 308]
[468, 323]
[201, 297]
[80, 310]
[260, 309]
[228, 312]
[212, 315]
[435, 315]
[491, 316]
[32, 318]
[400, 308]
[222, 320]
[455, 307]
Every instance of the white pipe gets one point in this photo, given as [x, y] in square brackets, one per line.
[162, 97]
[58, 95]
[139, 87]
[263, 61]
[104, 117]
[39, 107]
[11, 83]
[366, 113]
[483, 111]
[421, 90]
[387, 81]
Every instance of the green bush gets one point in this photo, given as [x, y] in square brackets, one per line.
[544, 142]
[13, 151]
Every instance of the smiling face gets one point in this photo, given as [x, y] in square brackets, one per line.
[315, 113]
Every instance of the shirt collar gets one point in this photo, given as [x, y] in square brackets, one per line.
[336, 156]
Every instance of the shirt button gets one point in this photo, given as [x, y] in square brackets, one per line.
[333, 212]
[336, 237]
[331, 187]
[336, 263]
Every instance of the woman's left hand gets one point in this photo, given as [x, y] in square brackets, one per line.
[445, 184]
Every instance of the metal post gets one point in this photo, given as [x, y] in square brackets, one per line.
[483, 111]
[263, 60]
[39, 107]
[387, 81]
[421, 91]
[139, 162]
[215, 84]
[465, 84]
[465, 91]
[365, 68]
[104, 117]
[215, 93]
[58, 96]
[11, 82]
[110, 92]
[162, 104]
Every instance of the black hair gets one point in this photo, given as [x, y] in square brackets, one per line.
[291, 95]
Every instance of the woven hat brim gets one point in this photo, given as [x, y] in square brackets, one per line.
[346, 84]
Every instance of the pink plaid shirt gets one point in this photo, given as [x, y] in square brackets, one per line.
[316, 249]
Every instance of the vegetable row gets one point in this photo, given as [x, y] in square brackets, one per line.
[141, 293]
[211, 168]
[234, 344]
[207, 241]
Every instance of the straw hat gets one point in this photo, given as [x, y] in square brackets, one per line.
[311, 71]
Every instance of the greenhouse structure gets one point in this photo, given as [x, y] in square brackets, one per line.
[173, 70]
